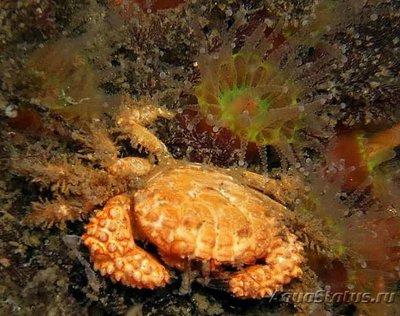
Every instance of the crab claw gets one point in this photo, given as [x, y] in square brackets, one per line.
[282, 264]
[113, 250]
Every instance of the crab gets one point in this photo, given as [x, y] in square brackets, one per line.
[226, 223]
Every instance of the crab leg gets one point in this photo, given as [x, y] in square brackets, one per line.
[109, 238]
[282, 265]
[143, 113]
[285, 191]
[130, 166]
[140, 135]
[132, 119]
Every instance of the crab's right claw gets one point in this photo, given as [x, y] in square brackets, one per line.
[113, 251]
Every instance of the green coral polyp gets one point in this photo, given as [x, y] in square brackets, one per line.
[230, 96]
[244, 94]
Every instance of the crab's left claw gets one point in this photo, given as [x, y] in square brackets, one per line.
[258, 281]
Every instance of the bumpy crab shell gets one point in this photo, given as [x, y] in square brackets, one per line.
[193, 213]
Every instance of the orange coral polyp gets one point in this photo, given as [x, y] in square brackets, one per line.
[241, 92]
[362, 154]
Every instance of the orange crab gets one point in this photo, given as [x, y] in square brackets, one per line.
[197, 216]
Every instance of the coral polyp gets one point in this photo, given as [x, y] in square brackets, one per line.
[262, 90]
[359, 155]
[250, 97]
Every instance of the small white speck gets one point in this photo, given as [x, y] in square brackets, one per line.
[269, 22]
[112, 247]
[115, 212]
[363, 264]
[119, 263]
[63, 209]
[110, 269]
[11, 111]
[215, 56]
[322, 100]
[373, 17]
[102, 236]
[350, 286]
[137, 276]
